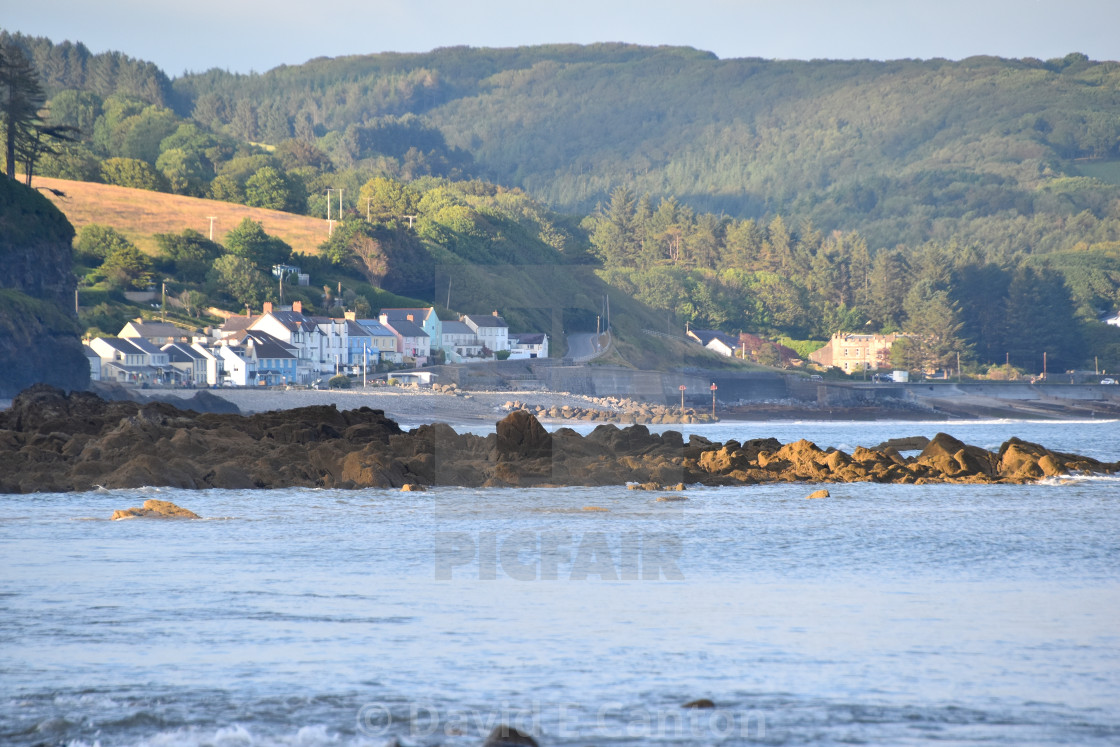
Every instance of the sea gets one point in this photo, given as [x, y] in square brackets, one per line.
[882, 615]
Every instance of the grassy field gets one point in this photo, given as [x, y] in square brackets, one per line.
[139, 213]
[1106, 171]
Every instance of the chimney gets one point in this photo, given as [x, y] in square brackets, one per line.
[268, 307]
[410, 318]
[495, 312]
[297, 306]
[351, 316]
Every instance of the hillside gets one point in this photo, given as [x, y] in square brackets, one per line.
[902, 151]
[880, 147]
[974, 205]
[472, 251]
[141, 213]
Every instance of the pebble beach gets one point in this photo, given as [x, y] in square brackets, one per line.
[405, 405]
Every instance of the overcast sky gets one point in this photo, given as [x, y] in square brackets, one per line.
[244, 35]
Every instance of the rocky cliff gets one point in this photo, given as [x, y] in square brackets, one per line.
[50, 441]
[39, 335]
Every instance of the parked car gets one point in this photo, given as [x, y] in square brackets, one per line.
[1108, 381]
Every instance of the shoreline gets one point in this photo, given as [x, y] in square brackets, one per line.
[422, 406]
[417, 406]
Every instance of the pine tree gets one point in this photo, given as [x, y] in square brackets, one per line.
[21, 98]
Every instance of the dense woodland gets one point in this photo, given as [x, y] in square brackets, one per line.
[973, 203]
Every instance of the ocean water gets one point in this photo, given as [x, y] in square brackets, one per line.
[940, 614]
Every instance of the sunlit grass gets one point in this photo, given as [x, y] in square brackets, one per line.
[139, 214]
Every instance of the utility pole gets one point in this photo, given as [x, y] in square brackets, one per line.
[368, 201]
[163, 301]
[958, 366]
[448, 304]
[714, 388]
[329, 190]
[1044, 365]
[340, 203]
[212, 219]
[410, 219]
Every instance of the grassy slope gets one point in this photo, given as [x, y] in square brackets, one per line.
[527, 295]
[139, 213]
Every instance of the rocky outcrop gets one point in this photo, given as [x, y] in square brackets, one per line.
[51, 441]
[39, 336]
[153, 509]
[508, 736]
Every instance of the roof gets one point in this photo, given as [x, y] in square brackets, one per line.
[485, 320]
[153, 329]
[456, 328]
[405, 328]
[148, 348]
[375, 328]
[705, 336]
[178, 352]
[528, 338]
[293, 320]
[237, 323]
[419, 315]
[120, 344]
[353, 329]
[269, 346]
[90, 352]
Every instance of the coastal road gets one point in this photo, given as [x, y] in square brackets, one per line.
[583, 346]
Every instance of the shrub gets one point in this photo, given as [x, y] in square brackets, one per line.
[339, 382]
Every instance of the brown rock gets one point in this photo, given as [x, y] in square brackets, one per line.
[155, 509]
[507, 736]
[818, 494]
[699, 703]
[520, 436]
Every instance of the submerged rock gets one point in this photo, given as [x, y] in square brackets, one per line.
[699, 703]
[153, 509]
[508, 736]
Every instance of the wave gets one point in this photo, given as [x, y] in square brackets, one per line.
[1077, 479]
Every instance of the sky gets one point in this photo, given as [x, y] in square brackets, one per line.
[257, 35]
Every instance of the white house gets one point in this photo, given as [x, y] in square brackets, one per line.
[157, 333]
[94, 363]
[716, 341]
[189, 364]
[334, 347]
[460, 342]
[303, 333]
[528, 345]
[258, 358]
[214, 368]
[491, 330]
[130, 361]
